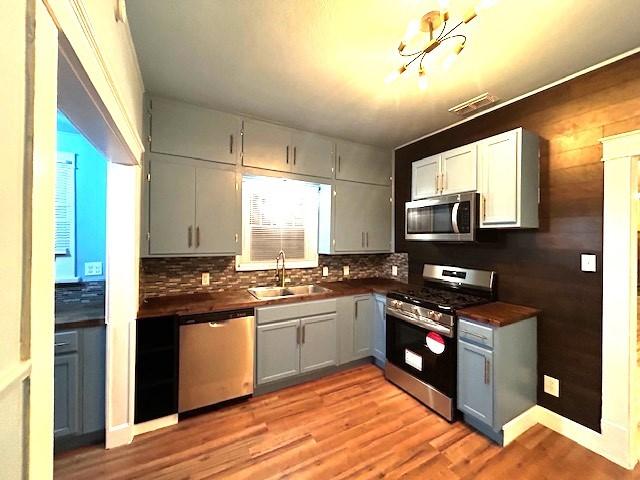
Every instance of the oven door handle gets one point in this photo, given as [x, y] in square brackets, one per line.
[433, 326]
[454, 217]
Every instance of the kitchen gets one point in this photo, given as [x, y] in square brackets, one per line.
[401, 292]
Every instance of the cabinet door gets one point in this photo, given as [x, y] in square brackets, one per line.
[499, 179]
[66, 379]
[266, 146]
[278, 351]
[363, 163]
[380, 330]
[93, 379]
[181, 129]
[362, 320]
[350, 216]
[171, 206]
[475, 382]
[377, 204]
[318, 343]
[312, 154]
[459, 168]
[425, 174]
[218, 211]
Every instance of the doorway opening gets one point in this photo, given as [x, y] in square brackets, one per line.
[80, 285]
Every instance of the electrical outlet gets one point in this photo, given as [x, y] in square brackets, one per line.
[394, 271]
[92, 268]
[588, 262]
[206, 279]
[345, 270]
[325, 271]
[551, 386]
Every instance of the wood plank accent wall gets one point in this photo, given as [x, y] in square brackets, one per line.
[541, 268]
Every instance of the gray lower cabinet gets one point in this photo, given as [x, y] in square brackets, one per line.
[278, 351]
[79, 386]
[379, 342]
[318, 343]
[362, 326]
[497, 375]
[66, 379]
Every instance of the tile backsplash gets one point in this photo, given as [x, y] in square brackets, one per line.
[180, 275]
[80, 293]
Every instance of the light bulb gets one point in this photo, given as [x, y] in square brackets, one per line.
[412, 30]
[393, 76]
[469, 15]
[453, 54]
[423, 82]
[486, 4]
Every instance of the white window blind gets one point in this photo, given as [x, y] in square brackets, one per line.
[278, 214]
[65, 216]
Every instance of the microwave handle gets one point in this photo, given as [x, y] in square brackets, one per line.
[454, 217]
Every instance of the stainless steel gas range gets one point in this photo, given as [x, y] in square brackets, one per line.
[421, 332]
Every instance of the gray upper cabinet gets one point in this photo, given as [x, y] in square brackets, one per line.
[187, 130]
[278, 351]
[475, 381]
[318, 343]
[267, 146]
[362, 218]
[312, 154]
[194, 207]
[66, 376]
[363, 163]
[171, 206]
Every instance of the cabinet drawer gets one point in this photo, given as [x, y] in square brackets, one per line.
[66, 342]
[475, 333]
[294, 310]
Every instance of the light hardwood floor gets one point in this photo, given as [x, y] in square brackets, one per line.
[351, 424]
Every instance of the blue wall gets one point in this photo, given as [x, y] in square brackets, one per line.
[91, 197]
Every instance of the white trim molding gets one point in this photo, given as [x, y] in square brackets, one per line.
[155, 424]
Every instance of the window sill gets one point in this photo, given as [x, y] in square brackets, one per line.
[249, 267]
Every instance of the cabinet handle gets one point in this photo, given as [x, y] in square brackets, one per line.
[437, 183]
[362, 240]
[198, 236]
[61, 344]
[304, 333]
[487, 367]
[287, 154]
[189, 236]
[339, 161]
[294, 155]
[231, 143]
[484, 207]
[298, 334]
[356, 308]
[367, 241]
[444, 181]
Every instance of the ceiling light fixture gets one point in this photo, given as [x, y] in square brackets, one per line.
[431, 24]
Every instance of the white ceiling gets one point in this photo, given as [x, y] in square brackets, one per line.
[320, 65]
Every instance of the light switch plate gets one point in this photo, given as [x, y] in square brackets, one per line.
[345, 270]
[325, 271]
[206, 278]
[588, 262]
[394, 271]
[92, 268]
[551, 386]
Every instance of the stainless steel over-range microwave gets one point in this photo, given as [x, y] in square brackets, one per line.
[449, 218]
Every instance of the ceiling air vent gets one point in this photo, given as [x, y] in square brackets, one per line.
[474, 105]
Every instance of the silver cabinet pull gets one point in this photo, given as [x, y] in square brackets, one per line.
[298, 334]
[484, 207]
[61, 344]
[487, 367]
[217, 324]
[481, 337]
[294, 154]
[231, 143]
[304, 333]
[287, 154]
[189, 236]
[362, 240]
[339, 159]
[367, 237]
[198, 236]
[356, 309]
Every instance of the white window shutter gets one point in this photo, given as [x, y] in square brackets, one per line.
[65, 203]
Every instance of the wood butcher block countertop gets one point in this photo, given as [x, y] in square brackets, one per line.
[240, 298]
[498, 314]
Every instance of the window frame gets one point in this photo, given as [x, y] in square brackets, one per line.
[243, 262]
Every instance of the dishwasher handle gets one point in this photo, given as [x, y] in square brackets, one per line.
[215, 318]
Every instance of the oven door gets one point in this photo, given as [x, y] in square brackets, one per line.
[425, 354]
[447, 218]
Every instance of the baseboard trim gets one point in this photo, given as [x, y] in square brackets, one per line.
[118, 436]
[155, 424]
[613, 443]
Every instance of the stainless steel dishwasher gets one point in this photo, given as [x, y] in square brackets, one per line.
[216, 358]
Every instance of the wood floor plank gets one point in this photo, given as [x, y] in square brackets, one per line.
[353, 424]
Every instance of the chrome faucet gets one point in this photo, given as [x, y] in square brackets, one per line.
[278, 277]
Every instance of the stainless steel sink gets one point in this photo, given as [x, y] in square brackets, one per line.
[262, 293]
